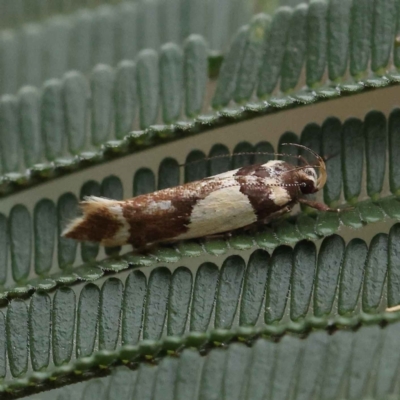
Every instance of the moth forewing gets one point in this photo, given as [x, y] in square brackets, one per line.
[240, 198]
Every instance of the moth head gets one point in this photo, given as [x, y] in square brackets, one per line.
[310, 181]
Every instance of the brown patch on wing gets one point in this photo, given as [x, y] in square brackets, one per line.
[259, 196]
[248, 170]
[151, 224]
[259, 193]
[96, 225]
[260, 171]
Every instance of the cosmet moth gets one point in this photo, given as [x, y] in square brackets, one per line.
[241, 198]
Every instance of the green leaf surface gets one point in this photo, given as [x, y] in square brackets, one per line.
[331, 139]
[9, 132]
[125, 98]
[179, 301]
[45, 219]
[252, 58]
[352, 158]
[328, 266]
[228, 291]
[195, 74]
[63, 321]
[17, 337]
[76, 98]
[166, 301]
[148, 81]
[156, 304]
[317, 33]
[3, 248]
[360, 36]
[284, 357]
[375, 140]
[230, 70]
[29, 112]
[20, 242]
[253, 288]
[278, 284]
[339, 13]
[302, 279]
[276, 38]
[351, 276]
[52, 119]
[171, 78]
[102, 82]
[382, 33]
[375, 272]
[296, 46]
[87, 320]
[39, 328]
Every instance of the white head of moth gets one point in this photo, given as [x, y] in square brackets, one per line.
[241, 198]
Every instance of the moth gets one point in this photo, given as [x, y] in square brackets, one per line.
[242, 198]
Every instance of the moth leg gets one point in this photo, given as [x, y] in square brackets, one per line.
[144, 250]
[318, 206]
[224, 235]
[270, 218]
[275, 215]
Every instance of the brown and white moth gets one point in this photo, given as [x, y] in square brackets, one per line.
[241, 198]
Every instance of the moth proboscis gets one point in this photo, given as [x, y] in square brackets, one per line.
[240, 198]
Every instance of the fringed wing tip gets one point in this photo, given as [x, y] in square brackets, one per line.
[82, 228]
[69, 230]
[88, 205]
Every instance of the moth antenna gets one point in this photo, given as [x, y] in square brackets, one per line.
[257, 153]
[321, 164]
